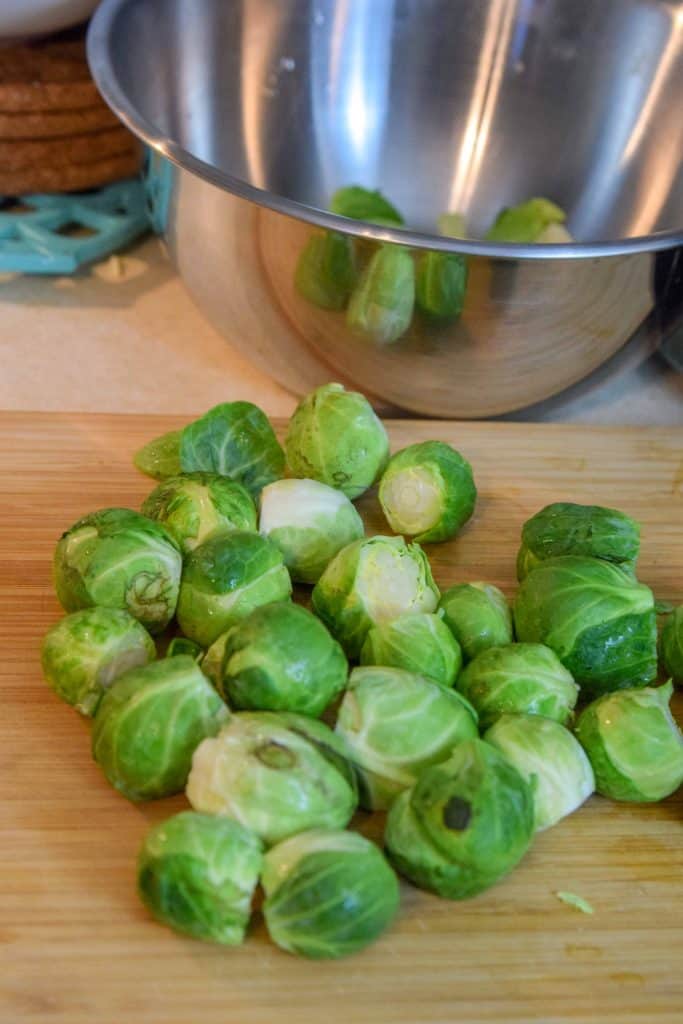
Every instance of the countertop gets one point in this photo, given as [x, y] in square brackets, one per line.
[126, 337]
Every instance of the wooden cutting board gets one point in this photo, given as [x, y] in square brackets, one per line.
[77, 946]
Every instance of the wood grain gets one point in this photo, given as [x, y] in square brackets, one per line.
[76, 945]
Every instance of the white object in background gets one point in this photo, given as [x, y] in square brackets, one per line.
[22, 18]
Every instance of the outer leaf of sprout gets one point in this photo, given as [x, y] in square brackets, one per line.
[326, 273]
[309, 522]
[551, 760]
[86, 651]
[427, 491]
[225, 579]
[381, 305]
[521, 678]
[117, 558]
[597, 618]
[335, 437]
[370, 582]
[149, 723]
[328, 893]
[633, 743]
[395, 724]
[197, 873]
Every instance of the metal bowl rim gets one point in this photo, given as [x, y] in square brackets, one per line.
[107, 82]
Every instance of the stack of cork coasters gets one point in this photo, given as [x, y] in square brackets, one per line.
[56, 132]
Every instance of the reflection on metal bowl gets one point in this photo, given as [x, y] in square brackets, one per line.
[265, 109]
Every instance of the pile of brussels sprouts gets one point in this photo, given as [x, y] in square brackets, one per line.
[383, 286]
[457, 718]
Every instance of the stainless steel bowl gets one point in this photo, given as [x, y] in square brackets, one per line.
[265, 107]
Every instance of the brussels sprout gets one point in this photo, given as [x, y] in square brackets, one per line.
[149, 723]
[396, 723]
[525, 222]
[233, 439]
[567, 529]
[310, 522]
[370, 582]
[418, 642]
[264, 771]
[195, 506]
[597, 618]
[478, 616]
[551, 760]
[363, 204]
[633, 743]
[440, 285]
[671, 645]
[518, 678]
[464, 824]
[335, 437]
[281, 658]
[224, 579]
[328, 893]
[198, 873]
[85, 652]
[427, 491]
[161, 457]
[119, 559]
[326, 273]
[181, 645]
[212, 662]
[381, 304]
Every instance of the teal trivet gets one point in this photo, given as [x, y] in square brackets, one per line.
[57, 234]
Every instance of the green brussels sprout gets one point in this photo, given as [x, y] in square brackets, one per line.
[567, 529]
[281, 658]
[440, 285]
[381, 304]
[335, 437]
[518, 678]
[198, 873]
[181, 645]
[326, 273]
[119, 559]
[196, 506]
[85, 652]
[149, 723]
[370, 582]
[633, 743]
[427, 491]
[264, 770]
[418, 642]
[233, 439]
[597, 618]
[525, 222]
[478, 616]
[212, 662]
[310, 522]
[396, 723]
[551, 760]
[464, 824]
[328, 893]
[671, 645]
[364, 204]
[161, 457]
[224, 579]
